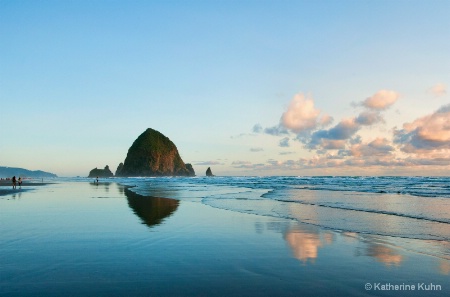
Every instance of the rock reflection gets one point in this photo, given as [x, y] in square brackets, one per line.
[305, 242]
[152, 211]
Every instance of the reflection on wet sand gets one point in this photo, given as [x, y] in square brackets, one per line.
[102, 185]
[305, 242]
[106, 186]
[152, 211]
[384, 254]
[444, 267]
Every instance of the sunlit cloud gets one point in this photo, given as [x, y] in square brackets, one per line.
[332, 144]
[377, 147]
[381, 100]
[431, 132]
[325, 120]
[256, 149]
[422, 142]
[438, 90]
[301, 115]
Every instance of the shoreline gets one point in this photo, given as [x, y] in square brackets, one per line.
[6, 187]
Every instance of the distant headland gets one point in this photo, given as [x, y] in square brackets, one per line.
[21, 172]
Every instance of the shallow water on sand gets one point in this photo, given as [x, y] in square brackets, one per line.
[78, 238]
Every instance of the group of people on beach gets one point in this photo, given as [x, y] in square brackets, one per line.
[14, 181]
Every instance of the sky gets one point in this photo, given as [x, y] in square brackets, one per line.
[244, 87]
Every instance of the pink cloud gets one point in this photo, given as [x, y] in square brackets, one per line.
[377, 147]
[438, 90]
[423, 143]
[325, 120]
[381, 100]
[431, 132]
[330, 144]
[302, 116]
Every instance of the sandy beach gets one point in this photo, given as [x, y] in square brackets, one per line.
[106, 240]
[7, 189]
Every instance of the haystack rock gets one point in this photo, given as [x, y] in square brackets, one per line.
[101, 172]
[153, 154]
[209, 172]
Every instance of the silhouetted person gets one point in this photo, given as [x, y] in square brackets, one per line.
[20, 182]
[14, 182]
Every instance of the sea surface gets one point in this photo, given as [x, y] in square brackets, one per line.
[222, 236]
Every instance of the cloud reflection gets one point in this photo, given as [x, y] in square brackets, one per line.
[305, 242]
[444, 267]
[384, 254]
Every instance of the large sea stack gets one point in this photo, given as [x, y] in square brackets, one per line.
[153, 154]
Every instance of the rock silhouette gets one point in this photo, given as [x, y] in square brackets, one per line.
[209, 172]
[153, 154]
[101, 172]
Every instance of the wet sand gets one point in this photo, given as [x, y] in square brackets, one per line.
[104, 240]
[6, 187]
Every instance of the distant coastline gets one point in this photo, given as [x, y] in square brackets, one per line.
[8, 172]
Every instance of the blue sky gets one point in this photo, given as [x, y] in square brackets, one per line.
[80, 80]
